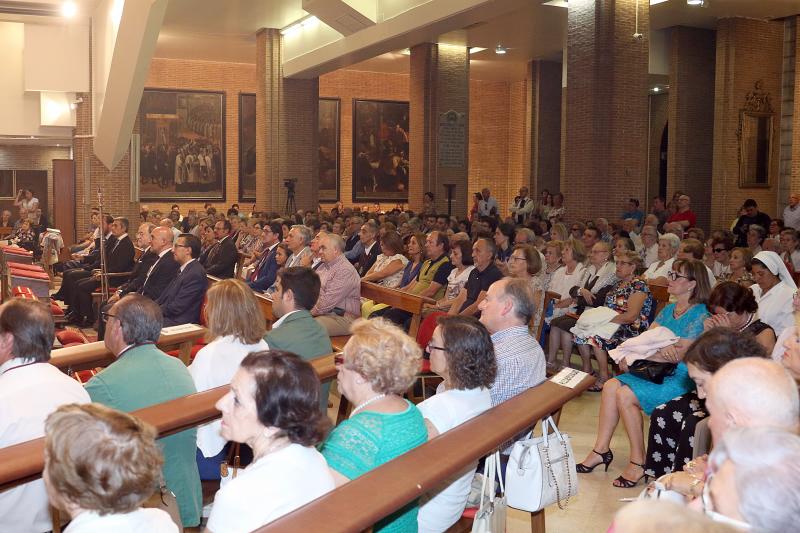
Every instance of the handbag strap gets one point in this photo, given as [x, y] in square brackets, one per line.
[499, 469]
[549, 468]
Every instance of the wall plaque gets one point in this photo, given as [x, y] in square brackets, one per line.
[452, 139]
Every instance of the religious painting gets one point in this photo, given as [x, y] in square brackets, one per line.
[247, 147]
[182, 154]
[380, 151]
[328, 175]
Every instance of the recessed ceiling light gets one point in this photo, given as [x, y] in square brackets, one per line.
[69, 9]
[695, 3]
[656, 89]
[500, 49]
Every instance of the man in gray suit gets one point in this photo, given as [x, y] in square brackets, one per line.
[296, 330]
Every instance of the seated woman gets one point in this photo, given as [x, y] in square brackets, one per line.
[733, 306]
[103, 490]
[234, 333]
[631, 298]
[463, 355]
[623, 244]
[773, 290]
[24, 235]
[526, 263]
[387, 270]
[572, 256]
[282, 255]
[626, 395]
[790, 249]
[552, 262]
[463, 264]
[273, 407]
[504, 239]
[668, 245]
[415, 251]
[721, 249]
[599, 275]
[670, 442]
[378, 364]
[739, 266]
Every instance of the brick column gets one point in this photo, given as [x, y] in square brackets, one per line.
[543, 127]
[605, 149]
[747, 51]
[439, 82]
[286, 129]
[691, 117]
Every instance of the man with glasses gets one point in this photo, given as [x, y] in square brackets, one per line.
[222, 261]
[266, 268]
[576, 230]
[649, 236]
[181, 301]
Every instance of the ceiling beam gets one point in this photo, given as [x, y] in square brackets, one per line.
[340, 15]
[422, 23]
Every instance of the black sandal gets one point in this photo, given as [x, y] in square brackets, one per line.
[625, 483]
[607, 457]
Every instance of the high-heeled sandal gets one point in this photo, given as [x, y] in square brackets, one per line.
[607, 457]
[598, 385]
[625, 483]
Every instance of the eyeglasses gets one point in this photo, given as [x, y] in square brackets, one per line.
[338, 359]
[515, 258]
[106, 315]
[430, 347]
[719, 250]
[675, 275]
[176, 245]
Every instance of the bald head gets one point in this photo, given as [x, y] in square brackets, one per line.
[161, 239]
[752, 392]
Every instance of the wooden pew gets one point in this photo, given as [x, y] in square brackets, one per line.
[24, 462]
[94, 354]
[660, 295]
[389, 487]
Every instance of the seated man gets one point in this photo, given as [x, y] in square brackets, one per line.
[368, 235]
[339, 300]
[266, 267]
[222, 261]
[298, 241]
[480, 279]
[143, 376]
[295, 330]
[119, 258]
[81, 268]
[181, 301]
[28, 393]
[505, 312]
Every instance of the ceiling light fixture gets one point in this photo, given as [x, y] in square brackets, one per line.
[476, 49]
[500, 50]
[700, 3]
[656, 89]
[69, 9]
[300, 24]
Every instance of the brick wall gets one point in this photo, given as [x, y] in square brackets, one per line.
[747, 50]
[796, 114]
[489, 139]
[20, 157]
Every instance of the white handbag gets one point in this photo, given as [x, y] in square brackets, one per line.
[541, 470]
[491, 515]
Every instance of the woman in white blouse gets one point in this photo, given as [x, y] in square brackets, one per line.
[387, 270]
[236, 329]
[573, 256]
[463, 355]
[773, 290]
[100, 467]
[668, 245]
[273, 407]
[461, 259]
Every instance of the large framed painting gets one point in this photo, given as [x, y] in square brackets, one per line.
[182, 154]
[380, 151]
[247, 147]
[328, 176]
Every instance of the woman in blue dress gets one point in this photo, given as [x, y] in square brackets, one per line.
[626, 395]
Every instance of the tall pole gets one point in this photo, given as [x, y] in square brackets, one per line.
[103, 276]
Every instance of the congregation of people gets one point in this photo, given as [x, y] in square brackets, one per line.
[696, 331]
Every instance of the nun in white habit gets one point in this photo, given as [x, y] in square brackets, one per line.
[774, 290]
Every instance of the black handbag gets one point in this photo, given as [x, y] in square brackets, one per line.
[651, 370]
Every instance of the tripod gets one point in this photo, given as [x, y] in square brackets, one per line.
[291, 206]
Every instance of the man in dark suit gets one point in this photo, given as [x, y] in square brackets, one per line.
[74, 270]
[119, 258]
[152, 274]
[222, 261]
[181, 301]
[266, 269]
[295, 330]
[372, 248]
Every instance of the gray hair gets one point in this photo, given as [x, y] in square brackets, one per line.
[150, 227]
[530, 236]
[521, 295]
[305, 233]
[767, 467]
[672, 239]
[335, 240]
[140, 319]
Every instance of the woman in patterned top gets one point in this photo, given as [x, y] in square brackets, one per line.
[378, 364]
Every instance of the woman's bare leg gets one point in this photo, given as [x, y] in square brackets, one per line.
[609, 418]
[631, 413]
[602, 362]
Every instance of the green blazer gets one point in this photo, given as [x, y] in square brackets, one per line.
[303, 335]
[144, 376]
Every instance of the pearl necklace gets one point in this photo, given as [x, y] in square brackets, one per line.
[366, 403]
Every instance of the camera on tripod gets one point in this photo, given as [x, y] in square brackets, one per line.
[290, 183]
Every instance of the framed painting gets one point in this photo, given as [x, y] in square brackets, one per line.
[380, 151]
[247, 147]
[182, 151]
[329, 131]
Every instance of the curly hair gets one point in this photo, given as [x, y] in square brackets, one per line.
[469, 352]
[287, 395]
[383, 354]
[123, 468]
